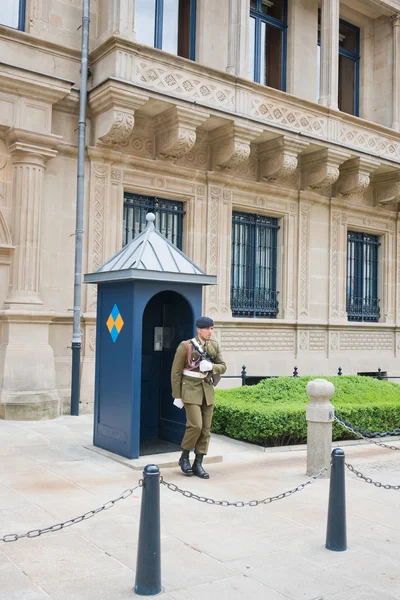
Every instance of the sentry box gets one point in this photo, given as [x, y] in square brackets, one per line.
[149, 296]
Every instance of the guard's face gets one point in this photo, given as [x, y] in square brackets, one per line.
[205, 333]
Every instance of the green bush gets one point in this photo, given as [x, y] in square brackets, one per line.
[274, 411]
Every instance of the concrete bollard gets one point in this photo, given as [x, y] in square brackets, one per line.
[148, 566]
[320, 414]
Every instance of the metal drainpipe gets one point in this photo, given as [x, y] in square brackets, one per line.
[76, 333]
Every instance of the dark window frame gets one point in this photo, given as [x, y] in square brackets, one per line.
[158, 27]
[248, 300]
[362, 277]
[21, 17]
[261, 17]
[161, 207]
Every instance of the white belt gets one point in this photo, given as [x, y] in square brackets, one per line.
[193, 374]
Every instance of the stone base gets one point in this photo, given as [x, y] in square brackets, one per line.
[39, 410]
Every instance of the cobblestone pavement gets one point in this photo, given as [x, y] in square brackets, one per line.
[49, 472]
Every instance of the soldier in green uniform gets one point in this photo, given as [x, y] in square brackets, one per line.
[197, 366]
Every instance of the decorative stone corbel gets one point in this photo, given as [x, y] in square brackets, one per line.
[113, 107]
[354, 177]
[387, 189]
[279, 158]
[176, 131]
[231, 144]
[320, 169]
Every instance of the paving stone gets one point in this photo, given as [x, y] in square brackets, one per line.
[235, 588]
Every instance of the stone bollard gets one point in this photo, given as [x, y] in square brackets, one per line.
[319, 414]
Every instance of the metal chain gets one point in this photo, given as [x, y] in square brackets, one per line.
[240, 503]
[369, 434]
[378, 484]
[356, 431]
[13, 537]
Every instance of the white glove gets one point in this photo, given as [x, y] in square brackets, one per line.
[205, 366]
[178, 403]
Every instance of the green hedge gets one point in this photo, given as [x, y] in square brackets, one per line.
[273, 412]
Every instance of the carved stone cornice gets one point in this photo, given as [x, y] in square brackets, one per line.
[355, 176]
[113, 107]
[279, 158]
[32, 84]
[387, 189]
[231, 144]
[176, 131]
[320, 169]
[27, 143]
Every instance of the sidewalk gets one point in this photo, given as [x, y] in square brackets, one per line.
[49, 473]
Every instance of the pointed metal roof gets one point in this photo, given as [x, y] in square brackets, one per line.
[150, 256]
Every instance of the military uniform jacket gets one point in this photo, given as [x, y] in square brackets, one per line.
[192, 390]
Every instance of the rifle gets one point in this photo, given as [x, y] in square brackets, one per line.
[215, 377]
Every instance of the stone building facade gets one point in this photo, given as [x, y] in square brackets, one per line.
[288, 192]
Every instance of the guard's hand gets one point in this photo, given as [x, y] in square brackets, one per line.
[205, 366]
[178, 403]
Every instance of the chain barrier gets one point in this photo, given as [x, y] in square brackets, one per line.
[369, 434]
[357, 431]
[378, 484]
[34, 533]
[240, 504]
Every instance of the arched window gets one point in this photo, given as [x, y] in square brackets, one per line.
[167, 24]
[12, 13]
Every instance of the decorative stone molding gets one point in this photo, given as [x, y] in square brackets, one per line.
[231, 144]
[354, 177]
[320, 170]
[113, 106]
[387, 189]
[304, 275]
[176, 131]
[279, 158]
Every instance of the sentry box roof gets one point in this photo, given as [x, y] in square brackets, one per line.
[150, 256]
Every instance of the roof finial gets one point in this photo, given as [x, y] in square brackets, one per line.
[150, 218]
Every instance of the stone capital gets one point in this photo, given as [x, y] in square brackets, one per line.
[231, 144]
[176, 131]
[29, 147]
[113, 107]
[355, 176]
[320, 169]
[279, 158]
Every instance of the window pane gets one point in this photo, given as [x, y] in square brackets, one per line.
[252, 37]
[253, 4]
[170, 26]
[347, 85]
[318, 71]
[145, 18]
[273, 9]
[184, 22]
[9, 10]
[348, 38]
[273, 57]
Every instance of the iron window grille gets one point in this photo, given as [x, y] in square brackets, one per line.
[12, 13]
[169, 25]
[169, 217]
[254, 265]
[268, 42]
[362, 302]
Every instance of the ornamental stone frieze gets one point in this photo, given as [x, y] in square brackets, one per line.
[113, 106]
[279, 158]
[387, 189]
[231, 144]
[320, 169]
[355, 176]
[176, 131]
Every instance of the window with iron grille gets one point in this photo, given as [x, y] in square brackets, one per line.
[254, 263]
[362, 300]
[169, 217]
[12, 13]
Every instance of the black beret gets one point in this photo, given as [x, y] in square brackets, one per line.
[204, 322]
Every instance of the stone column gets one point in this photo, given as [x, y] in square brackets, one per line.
[320, 414]
[329, 68]
[396, 72]
[238, 38]
[27, 368]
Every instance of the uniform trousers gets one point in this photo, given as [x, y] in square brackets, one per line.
[198, 425]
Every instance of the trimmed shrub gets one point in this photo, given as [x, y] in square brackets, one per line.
[273, 412]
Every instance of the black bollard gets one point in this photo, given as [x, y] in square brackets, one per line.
[336, 538]
[339, 372]
[148, 564]
[244, 375]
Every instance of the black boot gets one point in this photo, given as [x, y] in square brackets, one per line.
[197, 467]
[185, 464]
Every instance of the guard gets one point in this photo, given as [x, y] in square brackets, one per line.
[197, 368]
